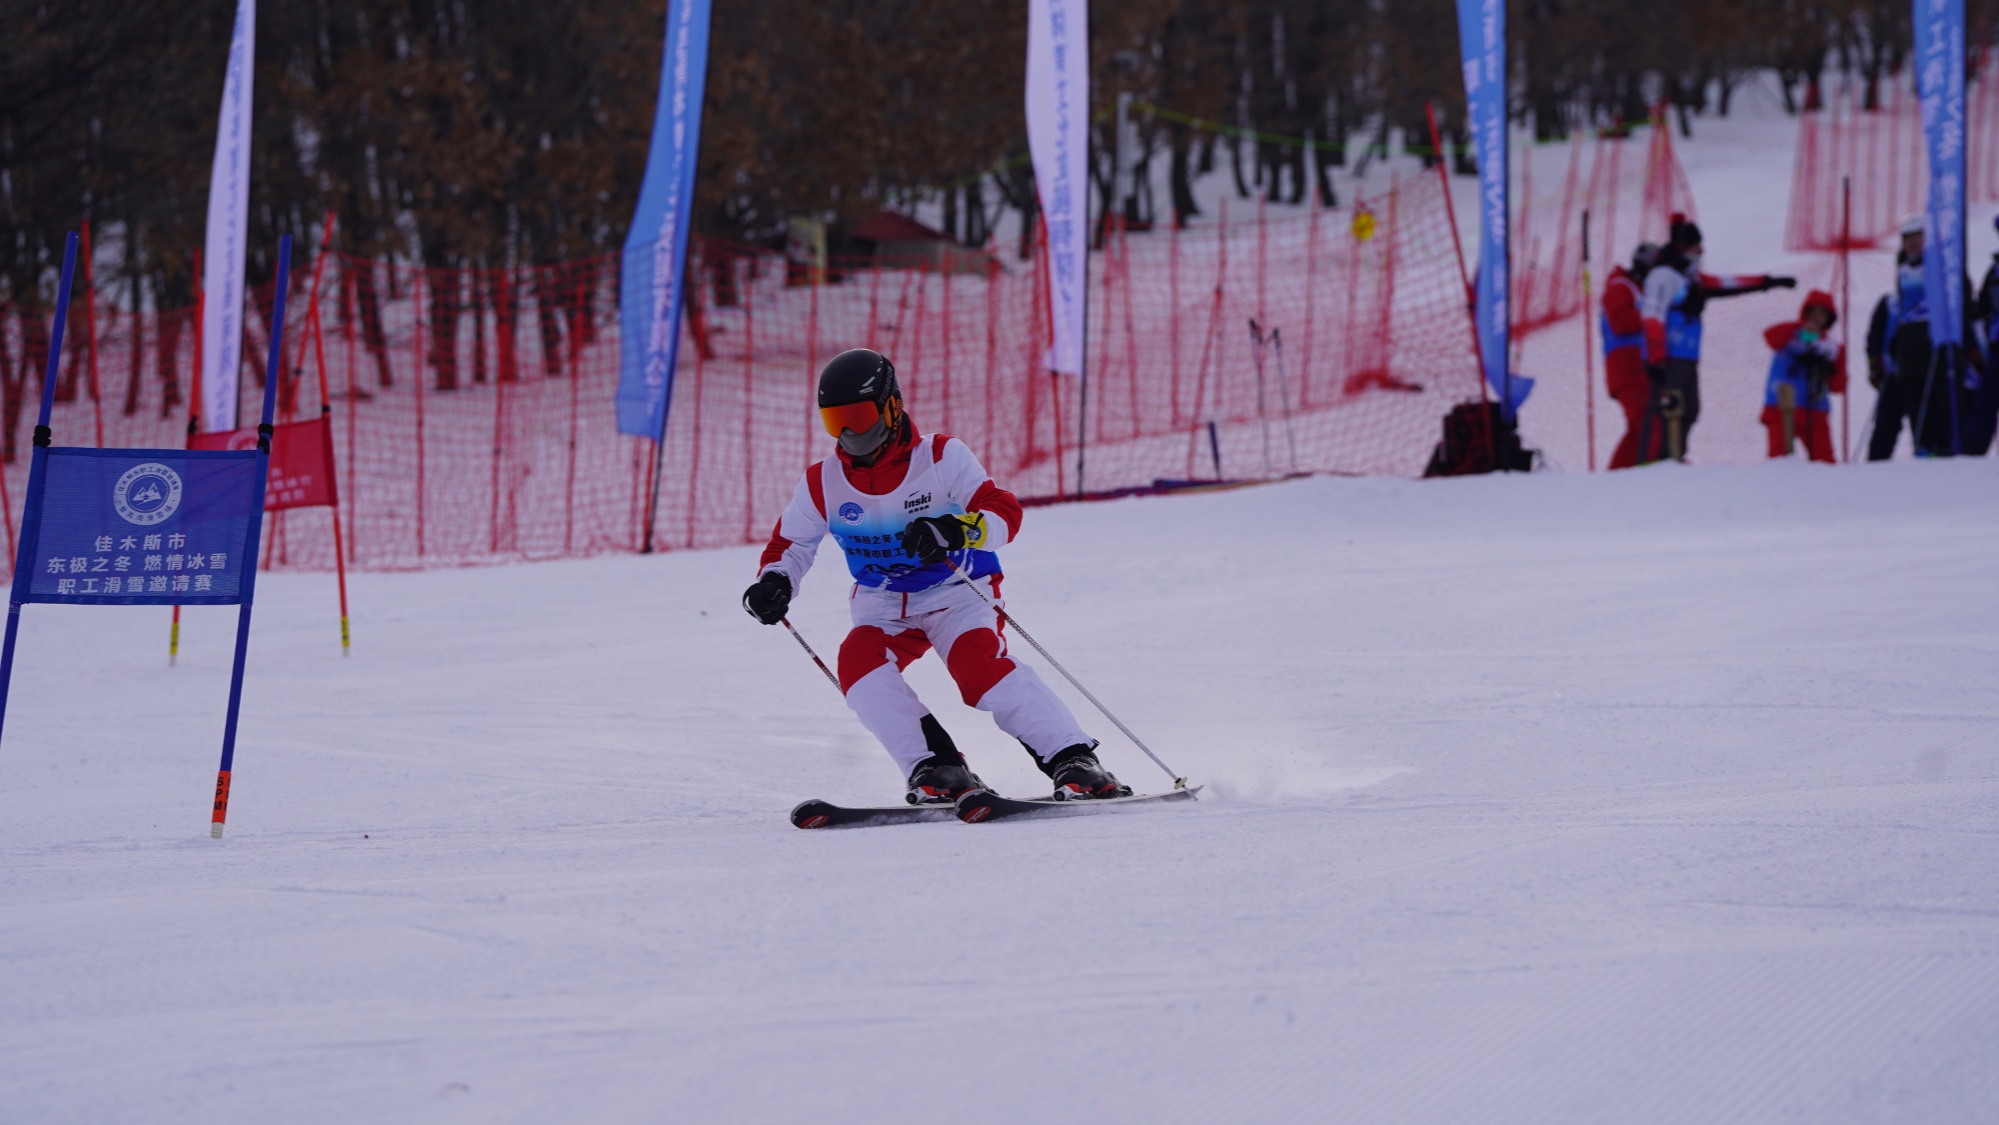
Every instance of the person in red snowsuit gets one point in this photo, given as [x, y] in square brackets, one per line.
[1624, 356]
[1812, 368]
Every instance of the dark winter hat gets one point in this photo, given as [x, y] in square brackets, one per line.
[1685, 234]
[1645, 257]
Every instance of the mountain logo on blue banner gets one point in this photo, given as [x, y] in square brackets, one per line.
[851, 512]
[147, 493]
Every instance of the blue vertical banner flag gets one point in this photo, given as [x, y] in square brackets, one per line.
[650, 291]
[1482, 43]
[1940, 85]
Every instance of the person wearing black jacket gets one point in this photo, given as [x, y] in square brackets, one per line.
[1900, 360]
[1981, 381]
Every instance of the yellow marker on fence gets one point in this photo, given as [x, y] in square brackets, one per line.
[1363, 224]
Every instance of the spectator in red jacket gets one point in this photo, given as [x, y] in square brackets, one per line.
[1806, 371]
[1624, 359]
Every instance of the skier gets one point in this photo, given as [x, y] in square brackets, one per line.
[1676, 291]
[1981, 382]
[1902, 355]
[1624, 360]
[1807, 368]
[917, 518]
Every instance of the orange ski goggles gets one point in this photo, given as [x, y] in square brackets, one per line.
[860, 417]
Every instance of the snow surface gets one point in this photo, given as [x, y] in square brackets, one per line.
[1667, 795]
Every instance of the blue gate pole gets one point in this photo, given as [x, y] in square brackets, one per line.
[31, 506]
[273, 371]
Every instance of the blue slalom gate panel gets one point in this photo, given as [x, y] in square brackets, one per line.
[142, 527]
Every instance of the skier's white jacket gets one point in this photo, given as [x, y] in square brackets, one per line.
[865, 509]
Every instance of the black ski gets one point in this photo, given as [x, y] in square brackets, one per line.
[825, 814]
[982, 805]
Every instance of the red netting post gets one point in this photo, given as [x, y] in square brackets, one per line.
[944, 410]
[1312, 284]
[499, 427]
[1385, 329]
[1556, 310]
[1112, 223]
[814, 274]
[694, 453]
[1589, 353]
[1616, 194]
[1348, 330]
[326, 409]
[1457, 243]
[992, 348]
[1874, 161]
[416, 380]
[921, 274]
[576, 315]
[1130, 329]
[874, 300]
[347, 304]
[1845, 308]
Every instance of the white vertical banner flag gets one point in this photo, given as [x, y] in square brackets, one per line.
[1058, 138]
[228, 223]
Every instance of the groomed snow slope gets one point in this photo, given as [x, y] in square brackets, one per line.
[1659, 796]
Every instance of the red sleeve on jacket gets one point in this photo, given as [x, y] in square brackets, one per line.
[777, 546]
[994, 500]
[1779, 335]
[937, 447]
[1620, 307]
[817, 483]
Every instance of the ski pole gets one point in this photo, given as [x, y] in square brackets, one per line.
[1179, 782]
[800, 638]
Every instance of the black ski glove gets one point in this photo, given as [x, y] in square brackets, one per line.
[932, 537]
[769, 598]
[1780, 283]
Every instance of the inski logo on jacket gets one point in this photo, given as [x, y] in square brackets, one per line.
[916, 503]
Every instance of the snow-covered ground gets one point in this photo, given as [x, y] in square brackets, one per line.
[1668, 795]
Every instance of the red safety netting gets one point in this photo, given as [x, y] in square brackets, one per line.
[473, 416]
[1880, 153]
[1629, 195]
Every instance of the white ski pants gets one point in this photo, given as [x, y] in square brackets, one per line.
[892, 630]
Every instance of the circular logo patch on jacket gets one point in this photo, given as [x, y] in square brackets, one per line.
[851, 512]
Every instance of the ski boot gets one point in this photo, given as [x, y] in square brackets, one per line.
[939, 781]
[1078, 776]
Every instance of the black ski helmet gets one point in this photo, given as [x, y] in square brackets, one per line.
[862, 375]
